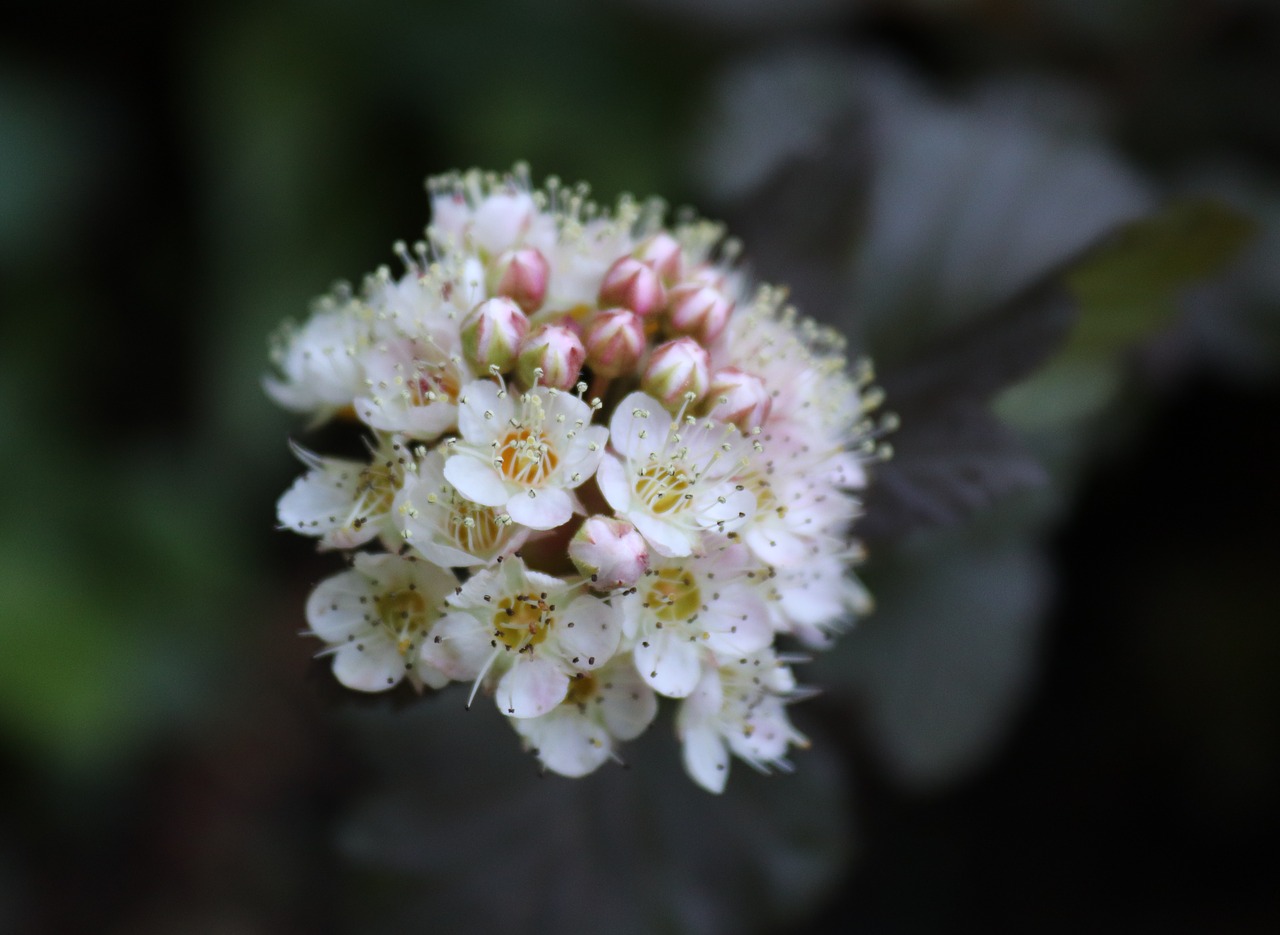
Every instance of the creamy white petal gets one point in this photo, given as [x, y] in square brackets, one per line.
[483, 406]
[612, 478]
[593, 638]
[706, 758]
[541, 509]
[531, 687]
[671, 664]
[458, 645]
[373, 665]
[639, 426]
[335, 610]
[666, 538]
[475, 479]
[567, 742]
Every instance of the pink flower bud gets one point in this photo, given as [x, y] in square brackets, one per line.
[632, 284]
[609, 552]
[677, 369]
[492, 333]
[555, 351]
[662, 252]
[699, 311]
[521, 275]
[615, 342]
[739, 398]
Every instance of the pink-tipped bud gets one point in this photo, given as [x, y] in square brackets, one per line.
[630, 283]
[552, 356]
[699, 311]
[739, 398]
[609, 553]
[677, 371]
[521, 275]
[615, 342]
[662, 252]
[493, 332]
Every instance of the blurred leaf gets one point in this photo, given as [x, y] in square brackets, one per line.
[465, 837]
[951, 456]
[936, 675]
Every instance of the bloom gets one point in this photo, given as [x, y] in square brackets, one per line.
[602, 471]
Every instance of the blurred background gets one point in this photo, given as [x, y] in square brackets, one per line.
[1064, 714]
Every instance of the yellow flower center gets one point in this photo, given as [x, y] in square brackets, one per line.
[663, 489]
[522, 621]
[673, 595]
[525, 457]
[405, 614]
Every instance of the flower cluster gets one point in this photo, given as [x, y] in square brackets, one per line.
[601, 469]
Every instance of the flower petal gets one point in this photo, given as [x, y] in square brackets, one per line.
[458, 645]
[706, 759]
[666, 538]
[541, 509]
[639, 426]
[566, 741]
[531, 687]
[590, 632]
[483, 408]
[475, 479]
[334, 609]
[612, 478]
[671, 664]
[370, 666]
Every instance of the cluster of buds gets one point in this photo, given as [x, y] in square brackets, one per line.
[602, 471]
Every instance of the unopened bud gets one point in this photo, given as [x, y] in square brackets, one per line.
[615, 342]
[521, 275]
[662, 253]
[609, 553]
[739, 398]
[552, 356]
[677, 371]
[630, 283]
[699, 311]
[493, 332]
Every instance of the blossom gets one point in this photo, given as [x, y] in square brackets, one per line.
[346, 503]
[672, 547]
[674, 481]
[374, 617]
[526, 631]
[578, 735]
[525, 455]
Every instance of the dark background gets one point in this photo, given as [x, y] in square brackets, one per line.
[174, 181]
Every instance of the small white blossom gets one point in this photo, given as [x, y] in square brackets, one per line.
[524, 631]
[674, 481]
[601, 707]
[526, 455]
[346, 503]
[374, 617]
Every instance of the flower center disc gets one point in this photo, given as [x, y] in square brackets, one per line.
[664, 489]
[522, 621]
[526, 457]
[674, 595]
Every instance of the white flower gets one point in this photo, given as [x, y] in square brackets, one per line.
[796, 505]
[525, 455]
[526, 629]
[412, 385]
[601, 707]
[819, 596]
[346, 503]
[672, 480]
[320, 361]
[738, 707]
[446, 527]
[374, 617]
[683, 614]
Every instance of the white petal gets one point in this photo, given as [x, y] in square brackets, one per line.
[639, 426]
[334, 610]
[370, 666]
[737, 622]
[531, 687]
[567, 742]
[458, 645]
[738, 507]
[666, 538]
[541, 509]
[672, 664]
[485, 412]
[582, 455]
[594, 636]
[322, 501]
[776, 544]
[612, 478]
[475, 479]
[627, 704]
[706, 758]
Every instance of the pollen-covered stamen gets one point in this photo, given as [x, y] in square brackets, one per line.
[405, 614]
[477, 529]
[525, 456]
[673, 595]
[522, 621]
